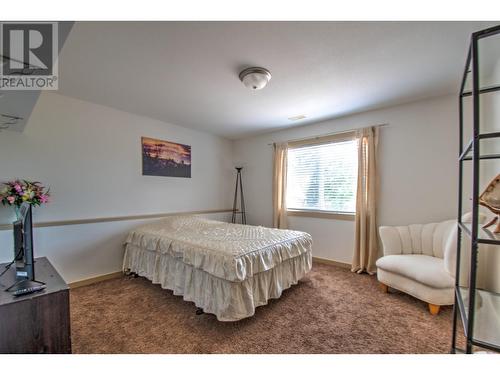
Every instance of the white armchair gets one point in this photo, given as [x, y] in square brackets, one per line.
[420, 260]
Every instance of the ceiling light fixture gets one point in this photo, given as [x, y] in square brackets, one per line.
[255, 78]
[7, 120]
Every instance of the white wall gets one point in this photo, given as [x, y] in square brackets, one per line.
[418, 170]
[90, 155]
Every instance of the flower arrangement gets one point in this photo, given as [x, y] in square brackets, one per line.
[19, 191]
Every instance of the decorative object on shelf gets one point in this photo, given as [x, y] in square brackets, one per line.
[239, 184]
[164, 158]
[490, 198]
[255, 78]
[16, 192]
[477, 299]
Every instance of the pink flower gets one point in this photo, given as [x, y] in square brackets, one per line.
[18, 188]
[44, 198]
[11, 199]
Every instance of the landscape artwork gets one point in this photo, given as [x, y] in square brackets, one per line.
[163, 158]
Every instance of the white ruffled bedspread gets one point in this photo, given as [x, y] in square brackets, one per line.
[232, 252]
[228, 301]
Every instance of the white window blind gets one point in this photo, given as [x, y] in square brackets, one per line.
[323, 177]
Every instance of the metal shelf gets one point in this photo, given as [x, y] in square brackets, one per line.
[478, 309]
[461, 308]
[485, 236]
[483, 90]
[489, 135]
[484, 157]
[487, 316]
[470, 147]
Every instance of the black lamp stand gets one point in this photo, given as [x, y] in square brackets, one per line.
[242, 199]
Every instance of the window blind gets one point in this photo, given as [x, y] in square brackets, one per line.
[323, 177]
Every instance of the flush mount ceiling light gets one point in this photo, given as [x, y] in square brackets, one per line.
[255, 78]
[7, 120]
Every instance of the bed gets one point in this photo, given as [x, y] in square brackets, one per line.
[225, 269]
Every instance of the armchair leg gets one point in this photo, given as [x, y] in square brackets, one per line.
[434, 309]
[384, 287]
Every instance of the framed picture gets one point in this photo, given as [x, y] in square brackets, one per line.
[164, 158]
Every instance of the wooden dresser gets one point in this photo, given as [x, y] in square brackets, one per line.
[38, 322]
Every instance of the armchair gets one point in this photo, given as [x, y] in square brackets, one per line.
[419, 259]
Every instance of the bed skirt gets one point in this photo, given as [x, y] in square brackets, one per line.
[228, 300]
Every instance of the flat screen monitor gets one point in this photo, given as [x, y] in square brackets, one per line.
[23, 244]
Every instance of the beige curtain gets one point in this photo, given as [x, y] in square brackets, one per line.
[279, 185]
[366, 241]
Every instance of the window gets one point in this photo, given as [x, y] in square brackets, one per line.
[323, 177]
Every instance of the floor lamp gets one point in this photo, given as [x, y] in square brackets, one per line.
[239, 184]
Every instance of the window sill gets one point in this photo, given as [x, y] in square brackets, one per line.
[323, 214]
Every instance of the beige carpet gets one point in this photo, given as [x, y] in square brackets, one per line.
[329, 311]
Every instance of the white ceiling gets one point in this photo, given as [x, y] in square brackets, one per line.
[186, 73]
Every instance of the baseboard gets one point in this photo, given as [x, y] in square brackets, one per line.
[96, 279]
[332, 262]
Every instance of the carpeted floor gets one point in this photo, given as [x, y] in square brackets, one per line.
[329, 311]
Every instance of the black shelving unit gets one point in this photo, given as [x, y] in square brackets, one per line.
[467, 296]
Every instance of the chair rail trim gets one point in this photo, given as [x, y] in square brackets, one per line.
[60, 223]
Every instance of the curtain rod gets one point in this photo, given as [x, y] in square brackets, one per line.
[328, 134]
